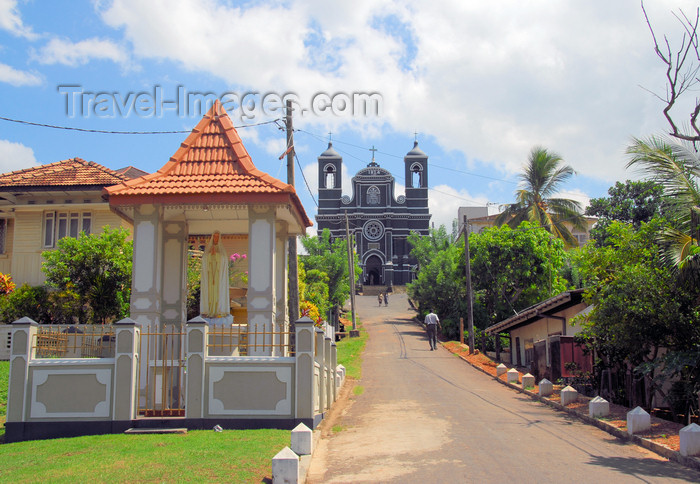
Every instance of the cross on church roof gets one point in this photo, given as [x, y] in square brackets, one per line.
[373, 150]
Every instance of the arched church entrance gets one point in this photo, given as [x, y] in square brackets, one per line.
[373, 271]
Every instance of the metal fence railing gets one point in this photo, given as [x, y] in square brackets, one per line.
[74, 341]
[237, 340]
[161, 373]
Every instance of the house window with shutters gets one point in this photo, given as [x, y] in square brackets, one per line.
[58, 225]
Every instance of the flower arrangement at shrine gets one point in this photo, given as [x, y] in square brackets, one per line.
[237, 276]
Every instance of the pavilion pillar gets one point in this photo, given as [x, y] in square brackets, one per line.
[174, 292]
[261, 279]
[281, 290]
[146, 286]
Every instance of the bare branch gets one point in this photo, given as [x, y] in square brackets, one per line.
[682, 67]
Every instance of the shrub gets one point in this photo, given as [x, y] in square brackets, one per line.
[30, 301]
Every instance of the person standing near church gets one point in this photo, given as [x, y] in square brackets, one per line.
[432, 323]
[386, 298]
[379, 298]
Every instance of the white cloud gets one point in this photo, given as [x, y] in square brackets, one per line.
[444, 202]
[62, 51]
[16, 77]
[11, 21]
[489, 80]
[15, 156]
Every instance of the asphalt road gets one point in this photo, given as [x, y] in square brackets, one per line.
[427, 416]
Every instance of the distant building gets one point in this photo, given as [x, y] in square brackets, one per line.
[380, 221]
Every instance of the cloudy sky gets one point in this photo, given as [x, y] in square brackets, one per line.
[478, 83]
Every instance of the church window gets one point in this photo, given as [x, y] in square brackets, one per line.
[330, 177]
[416, 176]
[373, 196]
[373, 230]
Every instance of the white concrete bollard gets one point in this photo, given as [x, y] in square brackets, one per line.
[339, 375]
[690, 440]
[528, 381]
[501, 369]
[512, 375]
[285, 467]
[638, 420]
[598, 407]
[546, 387]
[568, 395]
[302, 440]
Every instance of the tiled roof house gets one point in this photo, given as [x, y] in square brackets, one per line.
[43, 204]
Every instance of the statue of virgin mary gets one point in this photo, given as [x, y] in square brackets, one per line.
[214, 298]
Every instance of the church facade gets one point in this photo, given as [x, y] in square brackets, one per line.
[379, 220]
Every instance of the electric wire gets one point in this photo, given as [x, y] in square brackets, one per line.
[101, 131]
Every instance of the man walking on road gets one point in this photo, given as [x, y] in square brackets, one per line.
[431, 325]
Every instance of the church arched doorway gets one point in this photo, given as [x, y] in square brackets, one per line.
[373, 271]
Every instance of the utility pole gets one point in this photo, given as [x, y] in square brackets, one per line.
[351, 270]
[293, 301]
[470, 300]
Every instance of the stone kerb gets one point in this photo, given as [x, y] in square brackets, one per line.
[568, 395]
[285, 467]
[690, 440]
[528, 381]
[501, 369]
[512, 375]
[598, 407]
[638, 420]
[339, 375]
[546, 387]
[302, 440]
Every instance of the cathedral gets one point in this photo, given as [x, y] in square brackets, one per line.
[380, 221]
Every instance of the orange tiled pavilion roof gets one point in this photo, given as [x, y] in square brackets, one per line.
[74, 172]
[211, 166]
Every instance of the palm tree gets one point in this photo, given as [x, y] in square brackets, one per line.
[676, 167]
[541, 179]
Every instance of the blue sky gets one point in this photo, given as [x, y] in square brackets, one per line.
[480, 83]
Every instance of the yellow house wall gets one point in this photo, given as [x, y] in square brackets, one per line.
[28, 239]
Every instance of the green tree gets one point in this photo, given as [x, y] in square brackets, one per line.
[440, 283]
[638, 306]
[631, 202]
[326, 265]
[97, 268]
[676, 167]
[425, 248]
[542, 178]
[513, 269]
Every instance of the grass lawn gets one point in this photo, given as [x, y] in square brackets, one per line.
[198, 456]
[350, 353]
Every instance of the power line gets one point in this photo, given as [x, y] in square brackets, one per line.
[100, 131]
[304, 177]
